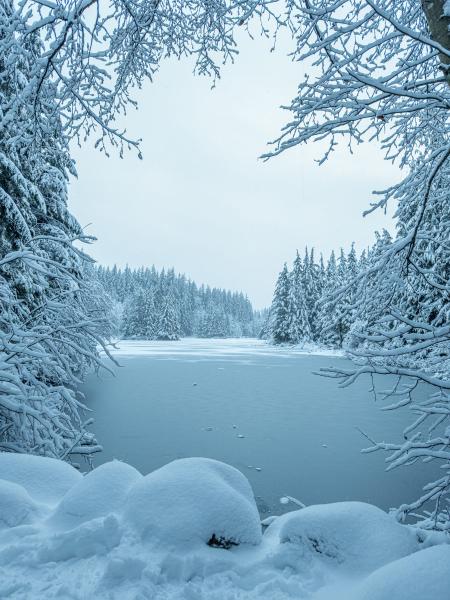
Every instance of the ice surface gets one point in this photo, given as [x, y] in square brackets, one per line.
[45, 479]
[122, 536]
[192, 500]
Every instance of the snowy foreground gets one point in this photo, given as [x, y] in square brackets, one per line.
[191, 531]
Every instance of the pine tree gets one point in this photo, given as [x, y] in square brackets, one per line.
[299, 330]
[311, 286]
[168, 327]
[328, 333]
[281, 318]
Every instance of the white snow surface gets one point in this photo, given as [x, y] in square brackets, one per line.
[116, 534]
[216, 349]
[191, 500]
[45, 479]
[102, 491]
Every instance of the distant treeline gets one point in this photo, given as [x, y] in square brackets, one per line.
[151, 304]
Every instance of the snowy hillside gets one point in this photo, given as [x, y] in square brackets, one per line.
[191, 530]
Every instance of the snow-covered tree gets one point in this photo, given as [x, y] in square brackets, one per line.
[168, 327]
[380, 71]
[52, 316]
[142, 296]
[280, 310]
[299, 330]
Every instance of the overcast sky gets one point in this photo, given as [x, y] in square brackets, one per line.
[201, 201]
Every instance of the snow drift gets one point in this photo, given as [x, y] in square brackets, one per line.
[191, 530]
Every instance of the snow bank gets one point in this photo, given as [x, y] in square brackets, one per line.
[16, 505]
[99, 493]
[352, 534]
[195, 500]
[116, 535]
[421, 576]
[45, 479]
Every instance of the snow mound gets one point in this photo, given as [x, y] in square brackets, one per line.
[194, 500]
[97, 494]
[421, 576]
[352, 534]
[94, 538]
[45, 479]
[16, 505]
[116, 535]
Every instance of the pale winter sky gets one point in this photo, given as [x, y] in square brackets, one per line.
[201, 201]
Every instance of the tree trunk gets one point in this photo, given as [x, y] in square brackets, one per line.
[439, 29]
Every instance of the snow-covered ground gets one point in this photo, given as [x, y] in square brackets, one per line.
[212, 348]
[116, 534]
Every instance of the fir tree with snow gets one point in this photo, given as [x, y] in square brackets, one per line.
[280, 310]
[300, 330]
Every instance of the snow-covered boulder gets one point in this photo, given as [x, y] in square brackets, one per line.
[45, 479]
[16, 505]
[424, 575]
[97, 494]
[352, 534]
[194, 500]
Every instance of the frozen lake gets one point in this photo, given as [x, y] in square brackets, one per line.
[255, 407]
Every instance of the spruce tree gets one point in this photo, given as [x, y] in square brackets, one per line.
[168, 327]
[280, 310]
[299, 329]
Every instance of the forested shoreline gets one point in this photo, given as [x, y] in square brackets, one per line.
[163, 305]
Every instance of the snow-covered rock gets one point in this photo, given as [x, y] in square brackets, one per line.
[45, 479]
[352, 534]
[424, 575]
[16, 505]
[99, 493]
[194, 500]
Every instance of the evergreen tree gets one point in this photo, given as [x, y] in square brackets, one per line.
[299, 330]
[168, 327]
[280, 310]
